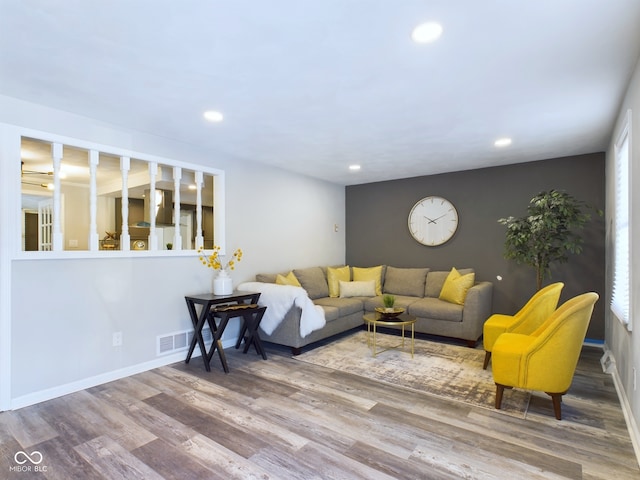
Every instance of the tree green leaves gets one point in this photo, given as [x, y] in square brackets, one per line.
[548, 233]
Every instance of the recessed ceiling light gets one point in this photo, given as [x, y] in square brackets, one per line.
[213, 116]
[502, 142]
[354, 168]
[426, 32]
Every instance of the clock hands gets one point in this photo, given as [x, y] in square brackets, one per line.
[434, 220]
[438, 218]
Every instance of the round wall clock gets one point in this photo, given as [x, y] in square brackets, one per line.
[433, 221]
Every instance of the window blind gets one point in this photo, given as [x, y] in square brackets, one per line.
[620, 300]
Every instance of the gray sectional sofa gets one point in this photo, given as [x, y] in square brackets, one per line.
[415, 289]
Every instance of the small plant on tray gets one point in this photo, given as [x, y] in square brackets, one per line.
[388, 301]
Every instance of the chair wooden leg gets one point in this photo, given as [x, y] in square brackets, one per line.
[499, 392]
[556, 398]
[487, 357]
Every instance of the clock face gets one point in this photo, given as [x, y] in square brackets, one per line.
[433, 221]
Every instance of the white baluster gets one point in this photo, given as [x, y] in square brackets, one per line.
[58, 238]
[125, 238]
[199, 237]
[94, 238]
[177, 237]
[153, 237]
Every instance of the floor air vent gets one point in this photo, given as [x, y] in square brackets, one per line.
[177, 341]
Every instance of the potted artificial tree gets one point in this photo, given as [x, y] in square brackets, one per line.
[547, 233]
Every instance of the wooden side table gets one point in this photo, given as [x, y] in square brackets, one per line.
[251, 317]
[208, 301]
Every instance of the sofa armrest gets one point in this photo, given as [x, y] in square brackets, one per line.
[478, 304]
[289, 328]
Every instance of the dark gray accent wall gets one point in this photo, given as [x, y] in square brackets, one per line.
[377, 231]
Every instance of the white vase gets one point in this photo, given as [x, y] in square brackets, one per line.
[222, 283]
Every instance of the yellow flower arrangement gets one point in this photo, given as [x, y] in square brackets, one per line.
[215, 259]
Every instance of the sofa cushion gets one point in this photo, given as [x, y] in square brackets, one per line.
[435, 308]
[345, 306]
[358, 289]
[455, 287]
[370, 273]
[334, 276]
[405, 281]
[330, 313]
[435, 281]
[266, 277]
[288, 279]
[313, 281]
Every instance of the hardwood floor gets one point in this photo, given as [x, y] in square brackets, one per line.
[286, 419]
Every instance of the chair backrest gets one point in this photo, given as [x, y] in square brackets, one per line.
[551, 359]
[538, 309]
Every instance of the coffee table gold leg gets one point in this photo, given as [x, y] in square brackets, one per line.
[412, 339]
[403, 337]
[374, 341]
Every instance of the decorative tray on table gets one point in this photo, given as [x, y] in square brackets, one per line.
[240, 306]
[389, 314]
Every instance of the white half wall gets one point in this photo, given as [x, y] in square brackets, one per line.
[60, 314]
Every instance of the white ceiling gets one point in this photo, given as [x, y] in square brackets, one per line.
[313, 86]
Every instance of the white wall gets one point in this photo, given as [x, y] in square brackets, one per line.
[625, 345]
[60, 314]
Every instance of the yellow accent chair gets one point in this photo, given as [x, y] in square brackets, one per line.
[546, 359]
[535, 311]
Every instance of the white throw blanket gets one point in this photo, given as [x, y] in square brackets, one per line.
[279, 299]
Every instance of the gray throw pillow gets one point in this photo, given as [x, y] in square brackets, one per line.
[405, 281]
[313, 281]
[266, 277]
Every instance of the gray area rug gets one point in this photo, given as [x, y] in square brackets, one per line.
[450, 371]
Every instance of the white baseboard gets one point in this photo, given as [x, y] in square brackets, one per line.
[59, 391]
[632, 424]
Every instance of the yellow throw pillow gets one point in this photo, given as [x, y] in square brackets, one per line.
[334, 275]
[455, 287]
[290, 279]
[371, 273]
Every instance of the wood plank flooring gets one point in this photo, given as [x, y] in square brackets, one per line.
[285, 419]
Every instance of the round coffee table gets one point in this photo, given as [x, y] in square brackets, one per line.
[375, 319]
